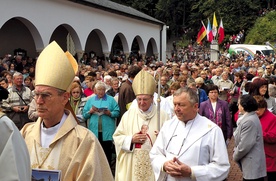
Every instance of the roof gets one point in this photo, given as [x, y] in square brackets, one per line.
[113, 7]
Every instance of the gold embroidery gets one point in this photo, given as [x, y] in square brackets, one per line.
[143, 170]
[43, 155]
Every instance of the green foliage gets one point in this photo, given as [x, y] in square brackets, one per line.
[183, 42]
[182, 15]
[263, 30]
[236, 15]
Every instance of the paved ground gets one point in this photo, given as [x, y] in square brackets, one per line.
[235, 173]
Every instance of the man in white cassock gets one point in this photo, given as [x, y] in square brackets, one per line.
[189, 146]
[136, 133]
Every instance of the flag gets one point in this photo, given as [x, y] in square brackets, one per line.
[201, 34]
[209, 32]
[220, 32]
[215, 25]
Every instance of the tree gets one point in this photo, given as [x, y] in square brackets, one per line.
[263, 30]
[236, 15]
[182, 15]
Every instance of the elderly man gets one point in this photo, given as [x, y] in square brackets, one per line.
[189, 146]
[133, 146]
[17, 104]
[55, 141]
[224, 85]
[217, 76]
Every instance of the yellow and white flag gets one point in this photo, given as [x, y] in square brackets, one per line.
[215, 25]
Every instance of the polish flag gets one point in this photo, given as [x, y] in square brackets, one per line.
[221, 32]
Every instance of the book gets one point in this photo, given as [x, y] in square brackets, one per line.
[43, 175]
[101, 109]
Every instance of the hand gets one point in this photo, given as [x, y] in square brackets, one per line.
[107, 112]
[24, 108]
[18, 108]
[93, 110]
[139, 138]
[176, 168]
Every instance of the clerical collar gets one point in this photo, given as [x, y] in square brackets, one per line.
[51, 126]
[47, 134]
[57, 124]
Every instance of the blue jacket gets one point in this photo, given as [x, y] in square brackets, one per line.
[108, 122]
[202, 96]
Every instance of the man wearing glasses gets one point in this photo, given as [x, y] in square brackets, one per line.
[189, 146]
[268, 71]
[55, 141]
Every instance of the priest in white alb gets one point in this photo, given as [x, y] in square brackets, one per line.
[189, 146]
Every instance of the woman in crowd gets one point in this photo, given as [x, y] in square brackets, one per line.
[259, 86]
[77, 102]
[114, 87]
[204, 75]
[12, 68]
[249, 150]
[200, 84]
[217, 111]
[101, 110]
[89, 90]
[28, 82]
[9, 78]
[182, 81]
[268, 122]
[235, 92]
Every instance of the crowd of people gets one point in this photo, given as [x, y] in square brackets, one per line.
[179, 128]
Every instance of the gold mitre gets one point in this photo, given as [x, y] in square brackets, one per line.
[55, 68]
[144, 83]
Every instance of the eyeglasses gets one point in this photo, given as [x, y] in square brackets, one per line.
[267, 68]
[43, 95]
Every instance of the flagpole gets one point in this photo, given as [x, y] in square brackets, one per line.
[159, 100]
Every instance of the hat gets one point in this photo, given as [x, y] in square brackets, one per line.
[144, 83]
[3, 93]
[55, 68]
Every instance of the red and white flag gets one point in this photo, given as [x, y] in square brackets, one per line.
[210, 36]
[221, 32]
